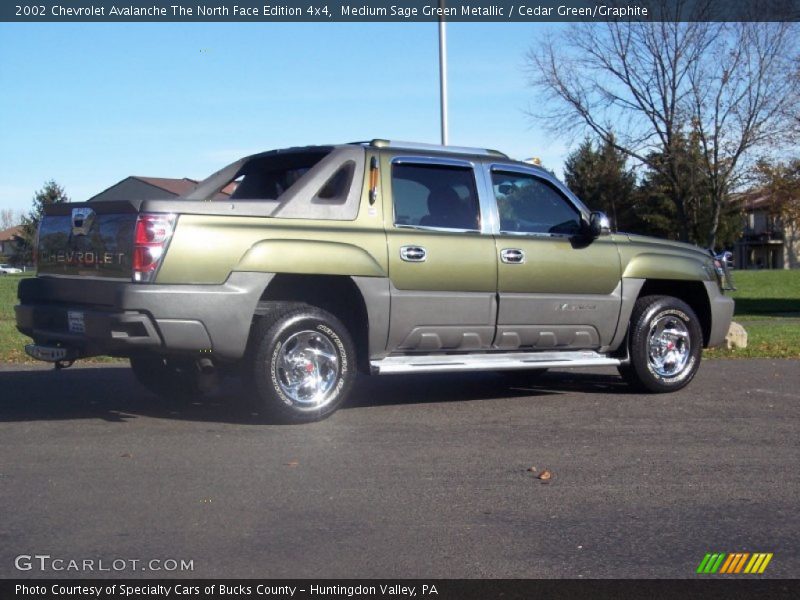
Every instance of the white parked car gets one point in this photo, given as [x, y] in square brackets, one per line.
[8, 269]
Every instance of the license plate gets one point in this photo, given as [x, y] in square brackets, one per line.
[76, 321]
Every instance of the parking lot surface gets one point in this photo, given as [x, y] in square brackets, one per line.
[422, 476]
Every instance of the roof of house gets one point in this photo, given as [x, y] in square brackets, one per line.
[179, 187]
[9, 234]
[175, 187]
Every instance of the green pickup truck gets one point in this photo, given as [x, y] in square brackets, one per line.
[300, 267]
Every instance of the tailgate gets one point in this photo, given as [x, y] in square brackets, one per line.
[87, 240]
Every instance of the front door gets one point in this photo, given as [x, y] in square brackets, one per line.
[557, 288]
[441, 257]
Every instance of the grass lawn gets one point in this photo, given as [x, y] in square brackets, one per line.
[767, 305]
[12, 342]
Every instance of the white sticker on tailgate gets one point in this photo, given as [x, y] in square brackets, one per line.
[77, 323]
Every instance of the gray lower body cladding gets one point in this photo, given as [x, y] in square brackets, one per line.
[121, 318]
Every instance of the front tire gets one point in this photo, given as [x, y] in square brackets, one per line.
[666, 342]
[301, 363]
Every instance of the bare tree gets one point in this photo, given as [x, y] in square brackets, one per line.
[648, 87]
[7, 218]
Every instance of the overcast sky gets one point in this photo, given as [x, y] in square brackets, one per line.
[90, 104]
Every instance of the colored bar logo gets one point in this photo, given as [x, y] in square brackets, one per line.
[732, 564]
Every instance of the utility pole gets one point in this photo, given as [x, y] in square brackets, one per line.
[443, 73]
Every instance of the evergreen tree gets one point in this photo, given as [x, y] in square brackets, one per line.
[600, 178]
[51, 193]
[682, 207]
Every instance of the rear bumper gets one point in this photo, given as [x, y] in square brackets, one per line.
[122, 319]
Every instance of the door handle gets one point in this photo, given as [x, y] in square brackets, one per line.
[413, 253]
[512, 256]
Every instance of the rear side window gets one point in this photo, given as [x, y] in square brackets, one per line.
[436, 196]
[336, 188]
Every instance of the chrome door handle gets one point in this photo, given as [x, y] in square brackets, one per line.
[413, 253]
[512, 256]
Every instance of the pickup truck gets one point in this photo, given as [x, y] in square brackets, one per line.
[300, 267]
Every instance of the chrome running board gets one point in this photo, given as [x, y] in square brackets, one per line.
[499, 361]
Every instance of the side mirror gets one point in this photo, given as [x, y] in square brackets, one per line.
[599, 224]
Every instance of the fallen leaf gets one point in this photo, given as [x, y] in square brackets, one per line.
[545, 476]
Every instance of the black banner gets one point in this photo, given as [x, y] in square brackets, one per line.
[438, 589]
[400, 10]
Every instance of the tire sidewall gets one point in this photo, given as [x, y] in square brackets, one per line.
[265, 374]
[647, 375]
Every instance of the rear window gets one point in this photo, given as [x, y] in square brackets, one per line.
[262, 177]
[269, 179]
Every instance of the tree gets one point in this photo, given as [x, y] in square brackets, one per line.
[655, 208]
[780, 183]
[600, 178]
[644, 87]
[7, 218]
[51, 193]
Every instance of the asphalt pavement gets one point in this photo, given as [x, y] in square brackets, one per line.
[417, 477]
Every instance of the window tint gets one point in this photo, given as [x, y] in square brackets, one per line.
[528, 204]
[435, 196]
[268, 177]
[336, 188]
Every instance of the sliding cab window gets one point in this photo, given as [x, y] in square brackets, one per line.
[528, 204]
[435, 196]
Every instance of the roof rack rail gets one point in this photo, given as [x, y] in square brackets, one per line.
[380, 143]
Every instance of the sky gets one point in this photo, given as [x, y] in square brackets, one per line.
[90, 104]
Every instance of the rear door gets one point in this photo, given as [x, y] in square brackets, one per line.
[442, 263]
[557, 288]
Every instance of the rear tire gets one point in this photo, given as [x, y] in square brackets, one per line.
[301, 363]
[666, 342]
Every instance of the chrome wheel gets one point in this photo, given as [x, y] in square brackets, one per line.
[669, 345]
[307, 368]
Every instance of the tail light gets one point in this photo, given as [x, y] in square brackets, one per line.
[150, 240]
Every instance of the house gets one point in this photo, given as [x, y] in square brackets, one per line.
[146, 188]
[152, 188]
[8, 239]
[768, 241]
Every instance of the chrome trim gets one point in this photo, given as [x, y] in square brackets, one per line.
[722, 263]
[669, 346]
[307, 369]
[434, 160]
[512, 256]
[538, 172]
[401, 145]
[501, 361]
[86, 217]
[413, 253]
[440, 229]
[484, 204]
[46, 353]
